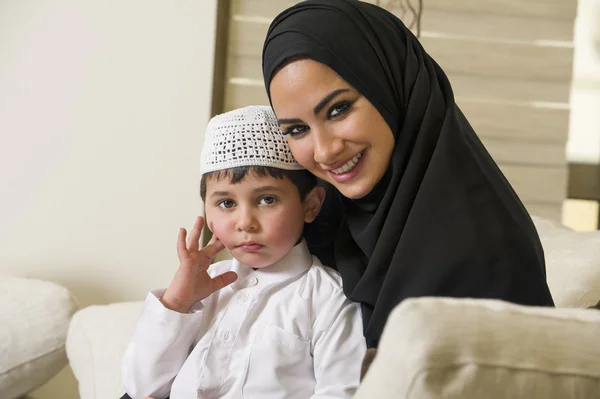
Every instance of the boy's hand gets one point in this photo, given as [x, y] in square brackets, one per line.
[192, 283]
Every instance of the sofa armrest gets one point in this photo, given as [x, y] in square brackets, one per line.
[466, 348]
[96, 342]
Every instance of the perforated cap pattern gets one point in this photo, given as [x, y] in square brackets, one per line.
[247, 136]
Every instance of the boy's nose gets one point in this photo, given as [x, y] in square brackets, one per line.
[247, 222]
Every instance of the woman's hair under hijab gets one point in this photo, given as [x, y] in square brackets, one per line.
[302, 179]
[443, 220]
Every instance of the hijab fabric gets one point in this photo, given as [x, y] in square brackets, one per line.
[443, 221]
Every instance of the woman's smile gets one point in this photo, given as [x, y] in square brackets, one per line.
[333, 130]
[348, 170]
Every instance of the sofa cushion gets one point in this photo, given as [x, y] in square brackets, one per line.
[97, 339]
[34, 319]
[465, 348]
[572, 264]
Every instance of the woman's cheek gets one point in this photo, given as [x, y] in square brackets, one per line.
[302, 151]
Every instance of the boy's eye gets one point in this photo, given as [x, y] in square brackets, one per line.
[267, 200]
[295, 130]
[339, 109]
[225, 204]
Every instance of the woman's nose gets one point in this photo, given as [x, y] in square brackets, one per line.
[327, 147]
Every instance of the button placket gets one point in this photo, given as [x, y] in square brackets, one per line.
[245, 294]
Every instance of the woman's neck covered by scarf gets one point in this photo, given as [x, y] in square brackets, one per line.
[443, 221]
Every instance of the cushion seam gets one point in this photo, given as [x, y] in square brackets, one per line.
[461, 364]
[33, 359]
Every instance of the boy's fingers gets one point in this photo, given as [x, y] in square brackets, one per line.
[181, 248]
[194, 239]
[223, 280]
[212, 249]
[212, 240]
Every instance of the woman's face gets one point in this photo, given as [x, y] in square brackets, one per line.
[332, 129]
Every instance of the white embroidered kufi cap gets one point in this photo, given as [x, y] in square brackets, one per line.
[247, 136]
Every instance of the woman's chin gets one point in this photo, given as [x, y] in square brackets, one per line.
[353, 190]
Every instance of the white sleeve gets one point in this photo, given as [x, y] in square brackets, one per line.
[339, 350]
[160, 345]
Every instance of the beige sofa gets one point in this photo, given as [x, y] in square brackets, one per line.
[34, 319]
[433, 347]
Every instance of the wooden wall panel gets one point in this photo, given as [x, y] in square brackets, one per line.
[465, 85]
[564, 10]
[548, 211]
[462, 55]
[549, 9]
[510, 65]
[515, 27]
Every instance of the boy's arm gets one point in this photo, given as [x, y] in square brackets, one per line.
[160, 345]
[339, 350]
[168, 325]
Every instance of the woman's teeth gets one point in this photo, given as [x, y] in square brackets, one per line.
[348, 166]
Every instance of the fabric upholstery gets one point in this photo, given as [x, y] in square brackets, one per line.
[572, 264]
[97, 339]
[464, 348]
[34, 318]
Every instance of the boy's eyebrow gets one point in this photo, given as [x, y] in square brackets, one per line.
[318, 108]
[256, 190]
[267, 188]
[220, 193]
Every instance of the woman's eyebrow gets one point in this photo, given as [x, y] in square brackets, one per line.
[288, 121]
[318, 108]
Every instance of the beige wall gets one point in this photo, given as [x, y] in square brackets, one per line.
[583, 146]
[102, 109]
[584, 132]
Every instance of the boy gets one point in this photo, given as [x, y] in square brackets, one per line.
[271, 323]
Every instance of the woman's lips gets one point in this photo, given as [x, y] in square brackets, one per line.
[345, 176]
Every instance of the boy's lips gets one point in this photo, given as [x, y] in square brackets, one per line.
[250, 246]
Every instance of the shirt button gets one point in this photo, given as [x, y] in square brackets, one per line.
[226, 336]
[252, 282]
[244, 297]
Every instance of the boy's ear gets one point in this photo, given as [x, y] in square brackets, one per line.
[313, 202]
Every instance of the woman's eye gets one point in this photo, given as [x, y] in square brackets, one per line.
[267, 200]
[225, 204]
[339, 109]
[295, 130]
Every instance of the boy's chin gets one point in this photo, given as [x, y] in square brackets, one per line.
[254, 261]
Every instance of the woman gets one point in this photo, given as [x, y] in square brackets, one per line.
[416, 206]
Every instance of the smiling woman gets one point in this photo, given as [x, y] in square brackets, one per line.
[334, 139]
[415, 204]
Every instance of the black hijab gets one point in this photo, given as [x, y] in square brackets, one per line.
[443, 221]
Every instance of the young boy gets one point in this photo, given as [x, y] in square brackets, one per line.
[271, 323]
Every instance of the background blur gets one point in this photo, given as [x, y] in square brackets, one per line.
[102, 110]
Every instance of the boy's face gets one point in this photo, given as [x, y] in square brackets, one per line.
[259, 219]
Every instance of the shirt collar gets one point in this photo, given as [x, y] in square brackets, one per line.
[295, 262]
